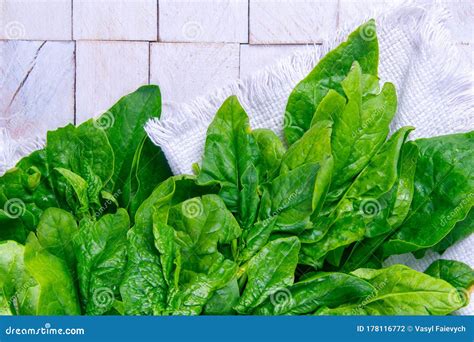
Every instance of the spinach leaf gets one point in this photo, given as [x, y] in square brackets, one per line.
[101, 253]
[269, 270]
[365, 207]
[443, 195]
[254, 238]
[84, 150]
[223, 300]
[322, 289]
[123, 124]
[460, 231]
[55, 232]
[402, 196]
[328, 74]
[271, 150]
[313, 147]
[359, 130]
[79, 185]
[291, 198]
[17, 288]
[139, 164]
[188, 236]
[148, 170]
[25, 191]
[457, 273]
[144, 288]
[401, 291]
[57, 293]
[230, 152]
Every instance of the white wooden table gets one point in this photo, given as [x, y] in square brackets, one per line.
[67, 60]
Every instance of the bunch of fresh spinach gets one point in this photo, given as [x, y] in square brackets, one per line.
[94, 224]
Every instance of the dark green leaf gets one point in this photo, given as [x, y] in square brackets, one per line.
[328, 74]
[268, 271]
[401, 291]
[443, 195]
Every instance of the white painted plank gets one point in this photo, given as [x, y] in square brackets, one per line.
[105, 72]
[35, 20]
[203, 21]
[185, 70]
[115, 19]
[291, 22]
[254, 58]
[37, 86]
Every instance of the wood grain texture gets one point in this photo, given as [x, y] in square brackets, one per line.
[291, 22]
[37, 86]
[254, 58]
[105, 72]
[35, 20]
[185, 70]
[115, 20]
[203, 21]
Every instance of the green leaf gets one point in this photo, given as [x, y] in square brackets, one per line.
[457, 273]
[328, 74]
[188, 236]
[101, 252]
[25, 191]
[144, 289]
[271, 149]
[268, 271]
[360, 130]
[57, 294]
[363, 210]
[443, 195]
[200, 224]
[291, 198]
[73, 147]
[17, 288]
[254, 238]
[229, 151]
[80, 188]
[313, 147]
[249, 197]
[123, 124]
[223, 300]
[149, 169]
[460, 231]
[401, 199]
[401, 291]
[55, 232]
[322, 289]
